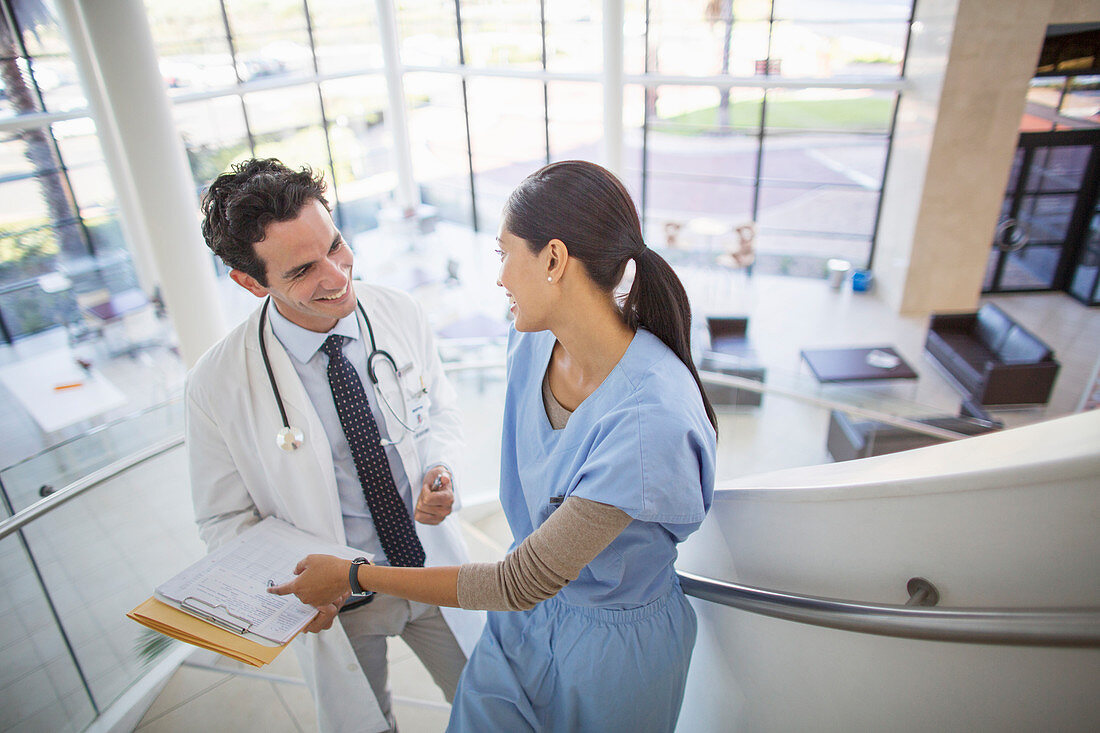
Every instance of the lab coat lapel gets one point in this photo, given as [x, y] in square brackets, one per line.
[309, 488]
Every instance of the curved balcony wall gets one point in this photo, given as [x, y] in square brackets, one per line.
[1004, 520]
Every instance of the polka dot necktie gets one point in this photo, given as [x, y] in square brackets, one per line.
[391, 517]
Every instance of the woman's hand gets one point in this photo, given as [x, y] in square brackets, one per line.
[322, 580]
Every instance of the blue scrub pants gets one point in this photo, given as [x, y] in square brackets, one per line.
[561, 667]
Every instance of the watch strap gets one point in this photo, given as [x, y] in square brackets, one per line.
[353, 578]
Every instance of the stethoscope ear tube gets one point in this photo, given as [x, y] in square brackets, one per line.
[288, 438]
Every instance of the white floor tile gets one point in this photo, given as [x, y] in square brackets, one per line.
[238, 704]
[185, 685]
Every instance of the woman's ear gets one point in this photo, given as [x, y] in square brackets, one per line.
[558, 257]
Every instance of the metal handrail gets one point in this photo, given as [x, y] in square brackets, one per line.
[76, 488]
[1052, 627]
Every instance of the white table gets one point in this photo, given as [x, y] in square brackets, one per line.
[33, 381]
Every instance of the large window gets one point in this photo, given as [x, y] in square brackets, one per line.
[299, 81]
[787, 127]
[734, 111]
[793, 142]
[59, 232]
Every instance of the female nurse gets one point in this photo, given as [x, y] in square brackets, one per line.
[607, 463]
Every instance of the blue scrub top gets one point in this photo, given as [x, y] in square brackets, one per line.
[640, 442]
[610, 652]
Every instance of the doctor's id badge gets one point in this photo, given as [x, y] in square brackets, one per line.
[418, 415]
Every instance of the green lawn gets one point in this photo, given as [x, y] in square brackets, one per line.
[849, 115]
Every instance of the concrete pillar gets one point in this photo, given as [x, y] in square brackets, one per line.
[408, 195]
[613, 17]
[121, 44]
[970, 62]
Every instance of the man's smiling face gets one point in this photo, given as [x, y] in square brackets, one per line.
[308, 267]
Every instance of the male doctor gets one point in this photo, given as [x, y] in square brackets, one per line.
[285, 418]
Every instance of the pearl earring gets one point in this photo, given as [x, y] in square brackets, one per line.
[550, 279]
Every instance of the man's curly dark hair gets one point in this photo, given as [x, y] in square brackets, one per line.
[240, 203]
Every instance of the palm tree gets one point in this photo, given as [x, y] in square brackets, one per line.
[40, 151]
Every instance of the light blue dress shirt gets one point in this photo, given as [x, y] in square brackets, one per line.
[311, 365]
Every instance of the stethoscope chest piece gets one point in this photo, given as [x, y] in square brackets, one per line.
[289, 438]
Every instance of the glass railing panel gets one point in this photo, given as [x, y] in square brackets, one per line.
[104, 552]
[779, 433]
[481, 401]
[40, 684]
[75, 458]
[797, 422]
[897, 397]
[791, 424]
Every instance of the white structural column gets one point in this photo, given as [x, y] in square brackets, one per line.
[133, 228]
[408, 196]
[121, 46]
[613, 17]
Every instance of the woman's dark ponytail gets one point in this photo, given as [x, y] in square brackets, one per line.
[657, 301]
[589, 209]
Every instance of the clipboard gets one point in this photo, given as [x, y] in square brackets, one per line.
[220, 616]
[221, 601]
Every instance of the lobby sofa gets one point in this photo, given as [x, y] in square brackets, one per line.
[992, 358]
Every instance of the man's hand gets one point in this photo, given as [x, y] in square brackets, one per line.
[436, 497]
[323, 620]
[322, 581]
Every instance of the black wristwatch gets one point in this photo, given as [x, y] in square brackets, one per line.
[353, 579]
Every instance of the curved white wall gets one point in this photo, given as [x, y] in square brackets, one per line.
[1008, 519]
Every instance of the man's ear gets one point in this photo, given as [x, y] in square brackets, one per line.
[248, 282]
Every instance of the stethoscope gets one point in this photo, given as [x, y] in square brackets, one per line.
[290, 438]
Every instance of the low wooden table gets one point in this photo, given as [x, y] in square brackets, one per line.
[852, 365]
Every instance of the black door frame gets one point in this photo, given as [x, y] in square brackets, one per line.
[1074, 242]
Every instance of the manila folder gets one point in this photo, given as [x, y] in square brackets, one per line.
[173, 622]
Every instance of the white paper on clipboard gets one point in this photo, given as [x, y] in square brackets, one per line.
[228, 587]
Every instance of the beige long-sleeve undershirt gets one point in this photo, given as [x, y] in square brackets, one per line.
[551, 556]
[545, 562]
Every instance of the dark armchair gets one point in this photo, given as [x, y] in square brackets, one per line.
[850, 438]
[730, 353]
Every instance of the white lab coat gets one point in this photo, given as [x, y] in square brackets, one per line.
[239, 475]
